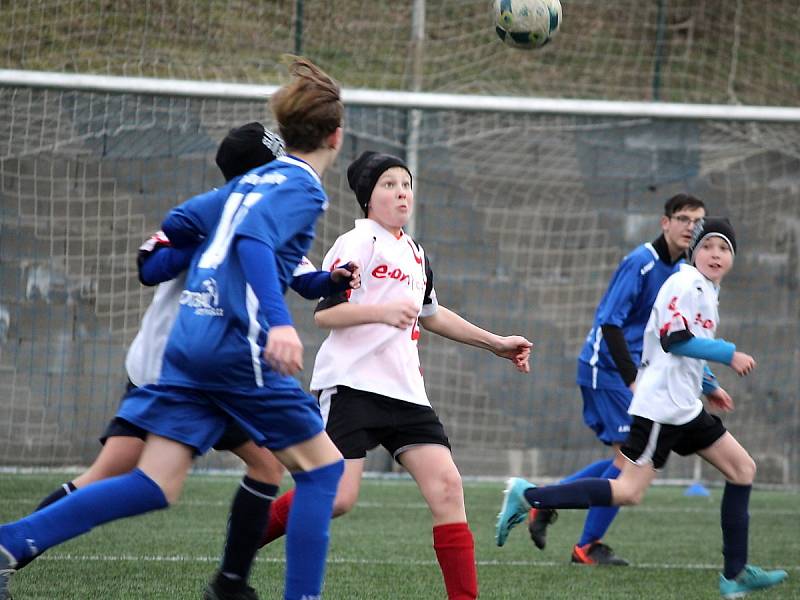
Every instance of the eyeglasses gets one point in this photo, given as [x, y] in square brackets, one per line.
[684, 220]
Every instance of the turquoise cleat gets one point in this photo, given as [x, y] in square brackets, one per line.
[749, 580]
[514, 510]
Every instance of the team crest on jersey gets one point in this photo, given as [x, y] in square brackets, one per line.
[206, 302]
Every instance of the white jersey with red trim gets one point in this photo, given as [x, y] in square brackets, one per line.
[146, 352]
[668, 386]
[376, 357]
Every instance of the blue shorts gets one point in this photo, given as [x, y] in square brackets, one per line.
[278, 415]
[606, 412]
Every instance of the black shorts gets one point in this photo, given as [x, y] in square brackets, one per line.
[233, 436]
[649, 441]
[358, 421]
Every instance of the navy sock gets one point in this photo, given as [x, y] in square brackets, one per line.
[578, 494]
[596, 469]
[246, 525]
[308, 530]
[65, 490]
[124, 496]
[599, 518]
[735, 521]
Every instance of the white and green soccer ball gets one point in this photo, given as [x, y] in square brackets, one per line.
[526, 24]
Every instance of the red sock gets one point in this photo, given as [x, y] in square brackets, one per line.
[455, 551]
[278, 517]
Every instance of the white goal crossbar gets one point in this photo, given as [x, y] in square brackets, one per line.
[399, 99]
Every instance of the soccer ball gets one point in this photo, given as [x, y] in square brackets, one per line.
[527, 24]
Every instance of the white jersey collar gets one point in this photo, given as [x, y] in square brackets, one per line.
[694, 270]
[377, 230]
[291, 160]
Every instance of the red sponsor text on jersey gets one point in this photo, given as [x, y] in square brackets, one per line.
[704, 323]
[385, 271]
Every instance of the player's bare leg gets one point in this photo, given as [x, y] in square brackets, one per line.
[167, 463]
[738, 578]
[118, 455]
[437, 476]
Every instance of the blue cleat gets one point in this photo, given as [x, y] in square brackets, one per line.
[8, 566]
[749, 580]
[514, 510]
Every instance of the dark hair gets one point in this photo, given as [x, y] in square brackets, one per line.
[681, 201]
[309, 108]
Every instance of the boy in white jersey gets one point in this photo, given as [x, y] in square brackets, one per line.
[668, 414]
[368, 372]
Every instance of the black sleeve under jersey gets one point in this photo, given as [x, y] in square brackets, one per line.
[333, 300]
[615, 340]
[674, 332]
[429, 282]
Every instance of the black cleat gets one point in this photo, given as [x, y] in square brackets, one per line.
[538, 520]
[597, 553]
[224, 588]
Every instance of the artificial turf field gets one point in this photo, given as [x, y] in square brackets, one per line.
[382, 550]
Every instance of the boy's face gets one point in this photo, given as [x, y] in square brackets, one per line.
[713, 258]
[392, 199]
[679, 227]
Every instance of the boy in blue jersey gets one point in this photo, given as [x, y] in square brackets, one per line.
[232, 351]
[609, 359]
[668, 415]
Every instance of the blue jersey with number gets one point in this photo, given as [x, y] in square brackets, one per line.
[219, 335]
[626, 304]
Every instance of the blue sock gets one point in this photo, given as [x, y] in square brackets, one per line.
[124, 496]
[578, 494]
[596, 469]
[600, 517]
[308, 530]
[735, 520]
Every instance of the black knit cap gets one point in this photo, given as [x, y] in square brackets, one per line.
[247, 147]
[710, 227]
[364, 172]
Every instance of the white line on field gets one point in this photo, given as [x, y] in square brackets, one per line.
[370, 561]
[711, 507]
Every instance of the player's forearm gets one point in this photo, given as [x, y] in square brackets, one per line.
[181, 229]
[313, 286]
[449, 324]
[717, 350]
[349, 315]
[618, 348]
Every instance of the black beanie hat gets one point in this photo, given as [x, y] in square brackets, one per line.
[364, 172]
[709, 227]
[247, 147]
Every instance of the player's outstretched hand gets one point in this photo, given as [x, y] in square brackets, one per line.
[742, 363]
[350, 272]
[284, 350]
[400, 314]
[720, 399]
[516, 349]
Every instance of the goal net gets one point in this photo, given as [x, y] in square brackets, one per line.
[524, 216]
